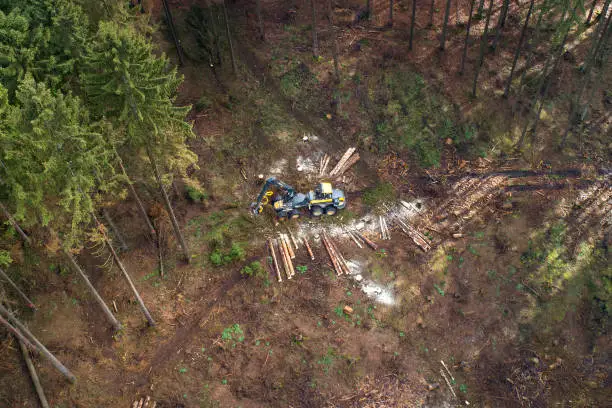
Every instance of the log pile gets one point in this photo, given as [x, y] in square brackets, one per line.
[144, 402]
[338, 261]
[384, 229]
[347, 160]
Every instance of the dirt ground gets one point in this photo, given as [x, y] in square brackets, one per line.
[509, 296]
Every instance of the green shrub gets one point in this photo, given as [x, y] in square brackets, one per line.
[195, 194]
[220, 258]
[254, 269]
[203, 103]
[382, 193]
[216, 258]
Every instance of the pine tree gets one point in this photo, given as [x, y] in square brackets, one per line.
[127, 83]
[315, 40]
[500, 23]
[445, 26]
[467, 37]
[229, 39]
[412, 23]
[483, 46]
[260, 23]
[517, 53]
[432, 7]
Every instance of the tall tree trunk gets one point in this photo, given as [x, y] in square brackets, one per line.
[467, 37]
[260, 22]
[457, 4]
[544, 83]
[175, 226]
[480, 8]
[15, 225]
[28, 338]
[141, 207]
[445, 26]
[601, 44]
[588, 63]
[483, 46]
[39, 390]
[177, 42]
[330, 17]
[229, 39]
[412, 24]
[126, 275]
[533, 44]
[390, 23]
[369, 9]
[214, 19]
[315, 41]
[592, 9]
[115, 230]
[517, 53]
[501, 23]
[107, 312]
[19, 291]
[431, 12]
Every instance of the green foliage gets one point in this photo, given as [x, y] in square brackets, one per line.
[408, 117]
[233, 334]
[43, 38]
[221, 258]
[126, 82]
[381, 193]
[203, 103]
[5, 258]
[254, 269]
[299, 84]
[51, 158]
[194, 191]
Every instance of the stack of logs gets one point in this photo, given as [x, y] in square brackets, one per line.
[346, 162]
[338, 261]
[144, 403]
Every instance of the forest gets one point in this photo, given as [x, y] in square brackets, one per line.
[466, 264]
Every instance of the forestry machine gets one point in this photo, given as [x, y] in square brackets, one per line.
[288, 203]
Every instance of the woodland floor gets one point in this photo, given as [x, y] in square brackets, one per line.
[509, 306]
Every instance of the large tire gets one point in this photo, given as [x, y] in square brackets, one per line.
[316, 211]
[331, 210]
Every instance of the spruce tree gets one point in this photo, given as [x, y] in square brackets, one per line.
[135, 89]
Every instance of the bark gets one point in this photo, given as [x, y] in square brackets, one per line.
[126, 275]
[501, 23]
[39, 390]
[445, 26]
[467, 37]
[517, 53]
[335, 52]
[412, 23]
[390, 23]
[15, 225]
[588, 20]
[177, 42]
[175, 226]
[115, 230]
[483, 46]
[431, 12]
[315, 40]
[260, 23]
[141, 207]
[457, 22]
[214, 33]
[369, 9]
[19, 291]
[107, 312]
[28, 338]
[229, 40]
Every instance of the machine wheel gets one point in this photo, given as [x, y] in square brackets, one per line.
[331, 210]
[294, 215]
[316, 211]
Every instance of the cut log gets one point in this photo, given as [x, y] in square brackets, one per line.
[350, 163]
[354, 239]
[285, 257]
[289, 248]
[312, 258]
[342, 160]
[293, 239]
[274, 260]
[370, 243]
[19, 291]
[334, 262]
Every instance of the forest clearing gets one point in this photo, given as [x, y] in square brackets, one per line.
[305, 203]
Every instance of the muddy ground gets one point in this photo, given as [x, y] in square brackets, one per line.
[511, 295]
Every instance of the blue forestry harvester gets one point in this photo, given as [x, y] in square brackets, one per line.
[288, 203]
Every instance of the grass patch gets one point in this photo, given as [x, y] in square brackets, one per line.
[381, 193]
